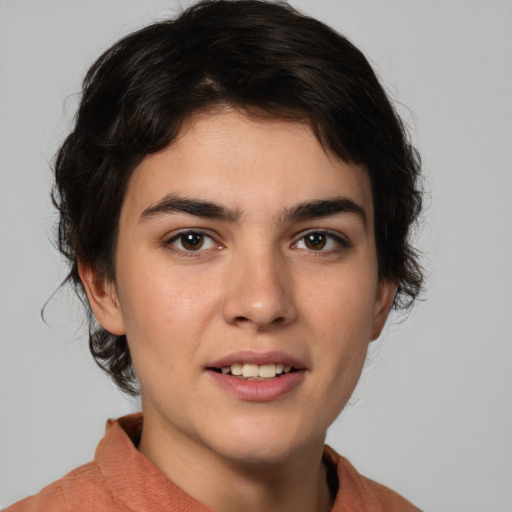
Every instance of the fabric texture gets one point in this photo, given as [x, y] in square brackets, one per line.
[121, 479]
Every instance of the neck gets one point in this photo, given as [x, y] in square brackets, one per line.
[297, 483]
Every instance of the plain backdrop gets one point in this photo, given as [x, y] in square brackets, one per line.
[432, 416]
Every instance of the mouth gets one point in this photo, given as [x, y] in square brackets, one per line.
[250, 371]
[258, 377]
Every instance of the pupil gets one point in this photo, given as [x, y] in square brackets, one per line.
[192, 241]
[315, 241]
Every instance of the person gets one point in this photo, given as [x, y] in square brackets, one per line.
[236, 200]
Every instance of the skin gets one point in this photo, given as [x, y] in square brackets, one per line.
[254, 285]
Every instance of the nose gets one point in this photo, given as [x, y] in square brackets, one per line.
[259, 291]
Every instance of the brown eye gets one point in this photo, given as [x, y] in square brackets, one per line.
[322, 241]
[192, 241]
[315, 241]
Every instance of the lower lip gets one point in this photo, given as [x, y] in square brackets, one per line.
[259, 390]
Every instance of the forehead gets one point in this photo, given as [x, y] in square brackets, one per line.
[247, 164]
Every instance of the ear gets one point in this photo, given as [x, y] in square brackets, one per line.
[103, 299]
[386, 292]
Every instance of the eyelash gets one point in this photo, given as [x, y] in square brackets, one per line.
[180, 237]
[330, 238]
[339, 241]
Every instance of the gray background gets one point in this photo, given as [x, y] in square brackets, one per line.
[432, 416]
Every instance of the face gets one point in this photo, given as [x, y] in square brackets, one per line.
[245, 248]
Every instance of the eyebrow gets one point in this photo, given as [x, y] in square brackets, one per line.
[303, 211]
[198, 207]
[324, 208]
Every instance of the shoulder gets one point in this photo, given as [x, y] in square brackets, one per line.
[356, 492]
[83, 488]
[91, 487]
[387, 499]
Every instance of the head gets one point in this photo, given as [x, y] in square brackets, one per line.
[263, 60]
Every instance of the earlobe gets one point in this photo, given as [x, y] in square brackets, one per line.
[103, 299]
[384, 301]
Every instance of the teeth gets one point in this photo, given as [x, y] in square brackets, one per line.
[250, 370]
[236, 369]
[265, 371]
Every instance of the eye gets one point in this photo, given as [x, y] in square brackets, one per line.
[191, 241]
[320, 241]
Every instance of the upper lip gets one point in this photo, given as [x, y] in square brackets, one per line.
[259, 358]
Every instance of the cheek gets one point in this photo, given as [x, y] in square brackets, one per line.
[342, 319]
[342, 308]
[164, 312]
[152, 291]
[163, 332]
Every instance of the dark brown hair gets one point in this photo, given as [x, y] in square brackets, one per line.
[265, 59]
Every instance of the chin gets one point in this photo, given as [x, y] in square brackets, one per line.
[257, 444]
[258, 455]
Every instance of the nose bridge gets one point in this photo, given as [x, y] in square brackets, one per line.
[260, 290]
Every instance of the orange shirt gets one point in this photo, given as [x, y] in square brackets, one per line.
[121, 479]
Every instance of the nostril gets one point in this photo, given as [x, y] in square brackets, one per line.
[243, 320]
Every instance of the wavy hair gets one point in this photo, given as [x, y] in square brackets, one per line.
[265, 59]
